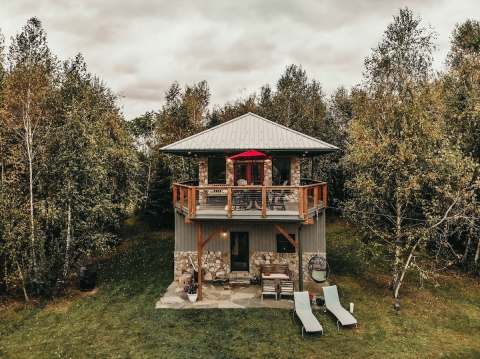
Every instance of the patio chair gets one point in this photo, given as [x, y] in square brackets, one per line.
[269, 288]
[303, 310]
[286, 288]
[267, 268]
[333, 305]
[282, 268]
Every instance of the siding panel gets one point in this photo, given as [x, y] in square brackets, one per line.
[262, 235]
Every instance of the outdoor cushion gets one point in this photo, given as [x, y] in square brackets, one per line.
[333, 305]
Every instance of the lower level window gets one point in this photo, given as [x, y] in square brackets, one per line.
[284, 245]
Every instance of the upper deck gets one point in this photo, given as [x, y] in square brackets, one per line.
[250, 202]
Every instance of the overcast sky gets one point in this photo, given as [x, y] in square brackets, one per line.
[140, 47]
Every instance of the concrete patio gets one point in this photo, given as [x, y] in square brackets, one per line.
[220, 297]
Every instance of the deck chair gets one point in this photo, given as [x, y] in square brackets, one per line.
[269, 288]
[286, 288]
[333, 305]
[303, 310]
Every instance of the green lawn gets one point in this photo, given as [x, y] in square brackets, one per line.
[120, 320]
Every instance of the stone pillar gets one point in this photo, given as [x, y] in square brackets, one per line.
[229, 172]
[267, 172]
[295, 175]
[202, 171]
[295, 171]
[202, 178]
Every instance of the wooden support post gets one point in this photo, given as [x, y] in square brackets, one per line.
[325, 196]
[199, 229]
[193, 198]
[229, 202]
[182, 197]
[315, 196]
[189, 202]
[174, 188]
[300, 202]
[300, 260]
[264, 201]
[305, 203]
[201, 243]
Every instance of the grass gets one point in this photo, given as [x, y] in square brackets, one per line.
[119, 321]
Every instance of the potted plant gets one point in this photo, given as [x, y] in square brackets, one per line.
[192, 292]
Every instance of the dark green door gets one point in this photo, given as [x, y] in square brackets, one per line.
[239, 251]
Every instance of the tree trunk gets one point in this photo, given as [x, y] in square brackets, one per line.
[477, 253]
[467, 247]
[147, 189]
[29, 143]
[397, 250]
[67, 245]
[27, 124]
[22, 278]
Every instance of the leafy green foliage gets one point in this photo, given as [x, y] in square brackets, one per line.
[408, 183]
[68, 169]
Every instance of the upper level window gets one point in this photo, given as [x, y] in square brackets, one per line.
[281, 171]
[284, 245]
[216, 170]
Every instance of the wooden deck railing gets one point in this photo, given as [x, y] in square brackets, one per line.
[264, 201]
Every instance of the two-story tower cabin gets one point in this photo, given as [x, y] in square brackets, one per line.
[249, 206]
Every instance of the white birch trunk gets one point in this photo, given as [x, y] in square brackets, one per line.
[477, 253]
[147, 189]
[27, 124]
[68, 242]
[397, 250]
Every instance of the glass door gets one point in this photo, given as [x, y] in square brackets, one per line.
[239, 251]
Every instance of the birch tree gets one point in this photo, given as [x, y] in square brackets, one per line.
[461, 93]
[399, 157]
[25, 107]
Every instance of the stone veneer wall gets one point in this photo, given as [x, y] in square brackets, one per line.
[295, 175]
[295, 171]
[229, 172]
[267, 172]
[202, 178]
[217, 264]
[202, 171]
[259, 258]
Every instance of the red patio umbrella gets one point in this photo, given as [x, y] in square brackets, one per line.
[249, 155]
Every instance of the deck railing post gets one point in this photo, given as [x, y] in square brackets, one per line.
[174, 190]
[315, 196]
[194, 201]
[264, 201]
[189, 202]
[325, 195]
[229, 202]
[182, 197]
[300, 202]
[305, 203]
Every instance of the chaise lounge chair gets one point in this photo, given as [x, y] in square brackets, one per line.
[333, 305]
[303, 310]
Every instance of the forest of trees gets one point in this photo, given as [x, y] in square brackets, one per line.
[408, 173]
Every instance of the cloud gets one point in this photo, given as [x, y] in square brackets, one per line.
[140, 47]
